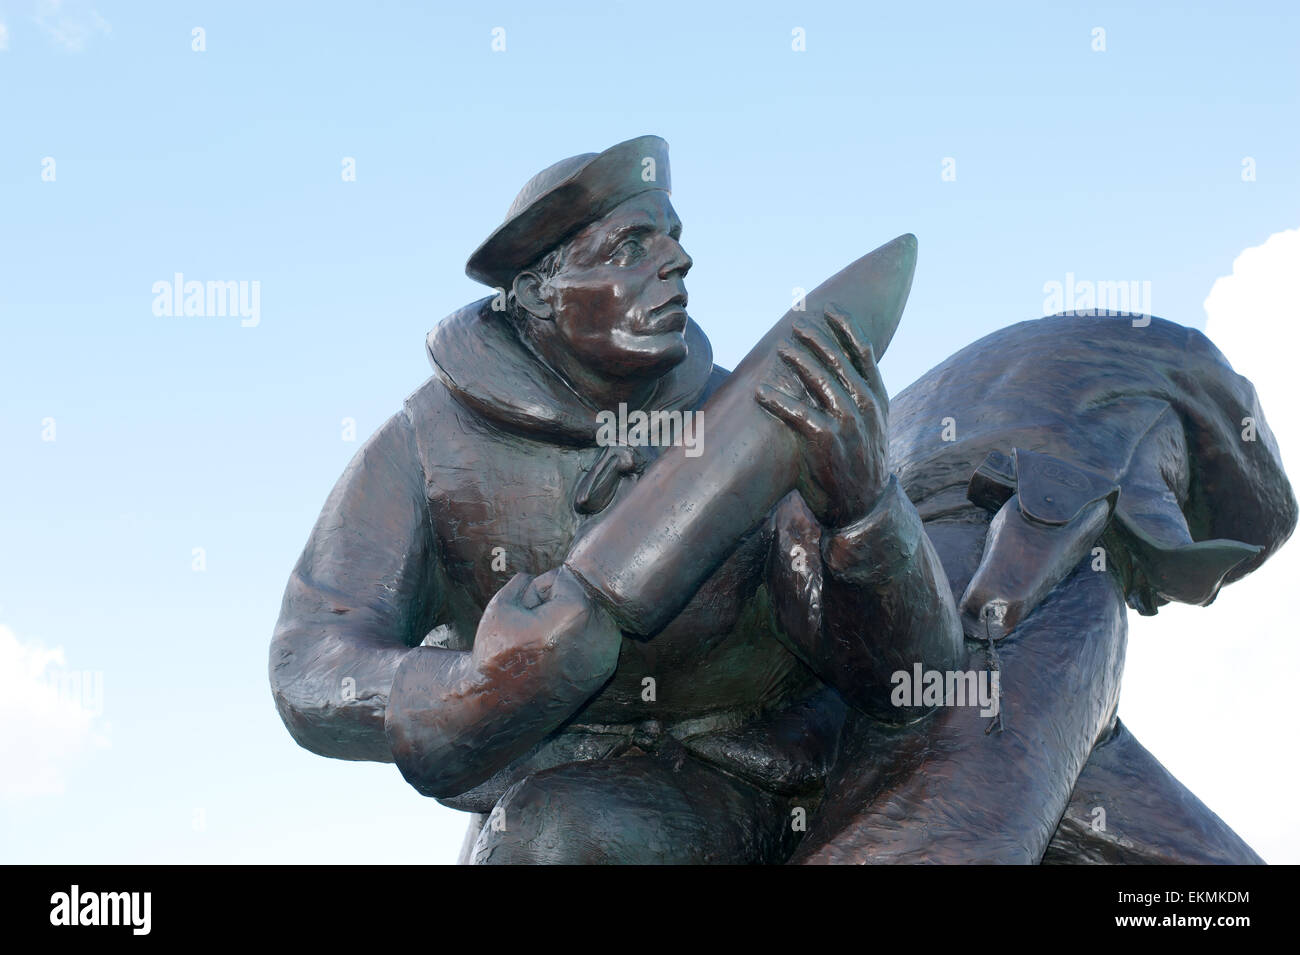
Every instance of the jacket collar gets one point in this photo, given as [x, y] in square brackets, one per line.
[479, 357]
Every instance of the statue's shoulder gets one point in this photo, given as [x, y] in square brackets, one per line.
[434, 420]
[716, 378]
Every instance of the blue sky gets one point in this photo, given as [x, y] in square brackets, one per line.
[175, 433]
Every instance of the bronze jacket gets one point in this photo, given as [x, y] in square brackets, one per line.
[491, 469]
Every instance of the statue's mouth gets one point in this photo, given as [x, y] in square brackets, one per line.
[673, 320]
[668, 317]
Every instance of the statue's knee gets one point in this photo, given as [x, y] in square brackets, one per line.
[635, 810]
[530, 824]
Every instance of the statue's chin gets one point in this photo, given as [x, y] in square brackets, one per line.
[647, 356]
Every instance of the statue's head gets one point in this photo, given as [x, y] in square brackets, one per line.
[590, 261]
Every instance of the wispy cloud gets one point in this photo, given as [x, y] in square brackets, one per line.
[49, 717]
[70, 25]
[4, 37]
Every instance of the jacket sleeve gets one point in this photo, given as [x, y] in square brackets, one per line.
[362, 594]
[863, 602]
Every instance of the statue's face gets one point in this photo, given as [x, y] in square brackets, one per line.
[619, 300]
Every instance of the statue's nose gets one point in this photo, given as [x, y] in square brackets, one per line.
[678, 261]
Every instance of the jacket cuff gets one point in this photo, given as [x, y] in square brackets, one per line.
[416, 736]
[878, 546]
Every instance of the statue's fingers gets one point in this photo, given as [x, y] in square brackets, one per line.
[861, 353]
[518, 591]
[562, 586]
[542, 584]
[806, 421]
[858, 349]
[565, 604]
[830, 355]
[820, 382]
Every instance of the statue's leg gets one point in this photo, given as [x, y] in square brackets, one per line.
[943, 790]
[1127, 809]
[634, 810]
[476, 822]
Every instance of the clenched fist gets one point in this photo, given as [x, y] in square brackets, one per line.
[547, 634]
[542, 649]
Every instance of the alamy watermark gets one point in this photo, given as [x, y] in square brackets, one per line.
[75, 907]
[658, 429]
[1099, 299]
[209, 299]
[922, 687]
[81, 690]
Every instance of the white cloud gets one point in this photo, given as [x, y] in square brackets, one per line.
[49, 717]
[70, 26]
[1252, 318]
[4, 36]
[1210, 691]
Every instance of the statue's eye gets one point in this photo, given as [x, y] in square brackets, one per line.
[629, 248]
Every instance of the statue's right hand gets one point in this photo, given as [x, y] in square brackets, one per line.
[548, 629]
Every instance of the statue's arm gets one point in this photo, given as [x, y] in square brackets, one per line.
[347, 670]
[865, 597]
[862, 602]
[362, 594]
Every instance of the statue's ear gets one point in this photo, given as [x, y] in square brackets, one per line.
[527, 290]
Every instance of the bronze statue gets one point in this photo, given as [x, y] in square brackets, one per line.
[625, 606]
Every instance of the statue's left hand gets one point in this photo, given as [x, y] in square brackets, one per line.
[844, 426]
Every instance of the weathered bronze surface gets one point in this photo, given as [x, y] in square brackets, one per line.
[625, 606]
